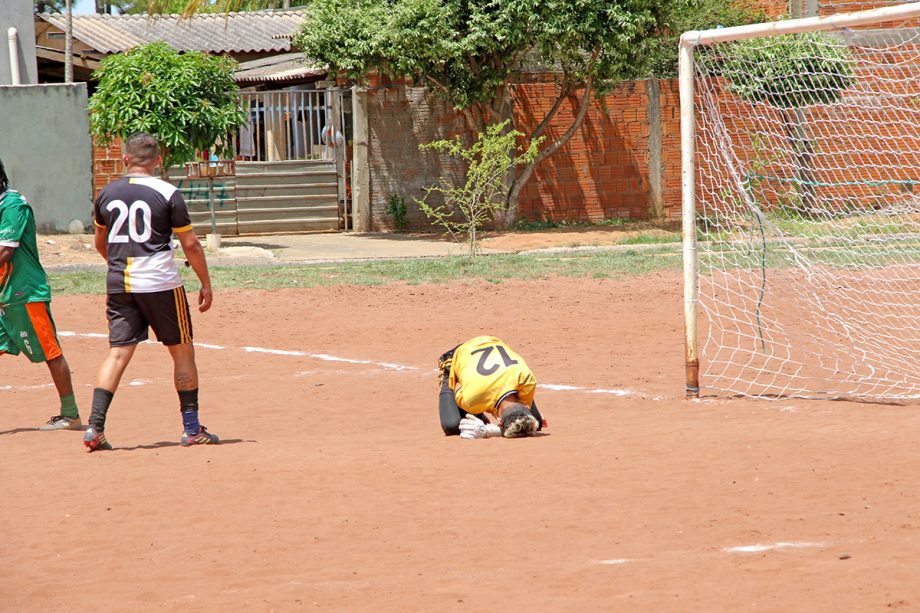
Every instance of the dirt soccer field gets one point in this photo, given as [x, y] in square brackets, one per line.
[334, 488]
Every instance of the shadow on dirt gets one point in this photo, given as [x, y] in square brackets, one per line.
[163, 444]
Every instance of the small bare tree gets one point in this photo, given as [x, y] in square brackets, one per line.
[489, 159]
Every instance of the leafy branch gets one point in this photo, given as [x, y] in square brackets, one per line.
[467, 206]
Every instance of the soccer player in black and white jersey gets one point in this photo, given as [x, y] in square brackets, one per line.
[135, 218]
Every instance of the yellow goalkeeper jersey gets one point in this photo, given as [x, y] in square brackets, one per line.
[484, 371]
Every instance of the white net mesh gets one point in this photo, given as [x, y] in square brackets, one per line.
[808, 192]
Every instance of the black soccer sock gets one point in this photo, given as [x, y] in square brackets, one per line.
[101, 401]
[188, 406]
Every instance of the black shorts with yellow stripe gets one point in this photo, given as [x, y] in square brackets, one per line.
[131, 314]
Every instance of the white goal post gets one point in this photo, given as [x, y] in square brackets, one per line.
[800, 153]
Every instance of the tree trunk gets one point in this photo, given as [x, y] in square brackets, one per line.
[165, 162]
[803, 152]
[505, 218]
[523, 173]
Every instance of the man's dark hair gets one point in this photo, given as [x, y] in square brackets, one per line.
[4, 181]
[142, 147]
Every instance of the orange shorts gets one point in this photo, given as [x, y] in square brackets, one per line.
[29, 329]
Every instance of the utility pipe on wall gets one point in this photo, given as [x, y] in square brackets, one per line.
[13, 38]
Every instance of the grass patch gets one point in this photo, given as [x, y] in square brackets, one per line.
[83, 282]
[525, 225]
[493, 269]
[650, 239]
[615, 221]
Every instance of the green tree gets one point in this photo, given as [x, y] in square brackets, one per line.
[187, 100]
[467, 51]
[685, 15]
[790, 72]
[48, 6]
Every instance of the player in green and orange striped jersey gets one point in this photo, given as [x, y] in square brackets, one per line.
[26, 325]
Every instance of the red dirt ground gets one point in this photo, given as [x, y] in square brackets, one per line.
[335, 490]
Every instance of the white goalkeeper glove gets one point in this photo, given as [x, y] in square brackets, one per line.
[472, 427]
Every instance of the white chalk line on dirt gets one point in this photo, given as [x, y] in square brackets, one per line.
[781, 545]
[385, 365]
[327, 358]
[758, 548]
[5, 388]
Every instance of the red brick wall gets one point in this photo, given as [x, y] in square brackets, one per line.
[107, 165]
[831, 7]
[602, 172]
[773, 8]
[670, 148]
[863, 147]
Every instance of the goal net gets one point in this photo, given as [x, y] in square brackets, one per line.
[806, 191]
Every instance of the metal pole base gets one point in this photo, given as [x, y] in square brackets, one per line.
[693, 379]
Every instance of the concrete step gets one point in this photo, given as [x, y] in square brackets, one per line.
[322, 206]
[282, 214]
[256, 168]
[290, 225]
[304, 176]
[249, 201]
[224, 229]
[324, 180]
[325, 190]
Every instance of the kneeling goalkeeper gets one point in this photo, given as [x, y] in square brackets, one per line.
[484, 376]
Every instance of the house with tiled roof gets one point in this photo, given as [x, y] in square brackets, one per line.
[289, 153]
[245, 37]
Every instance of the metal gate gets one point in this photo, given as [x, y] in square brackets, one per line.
[302, 125]
[292, 167]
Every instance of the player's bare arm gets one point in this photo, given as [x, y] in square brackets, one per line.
[6, 254]
[100, 240]
[194, 253]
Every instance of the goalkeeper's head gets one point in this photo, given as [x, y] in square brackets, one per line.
[4, 181]
[517, 420]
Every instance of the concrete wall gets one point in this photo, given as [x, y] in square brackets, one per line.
[399, 120]
[47, 151]
[18, 14]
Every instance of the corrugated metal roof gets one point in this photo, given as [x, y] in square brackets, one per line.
[217, 33]
[284, 67]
